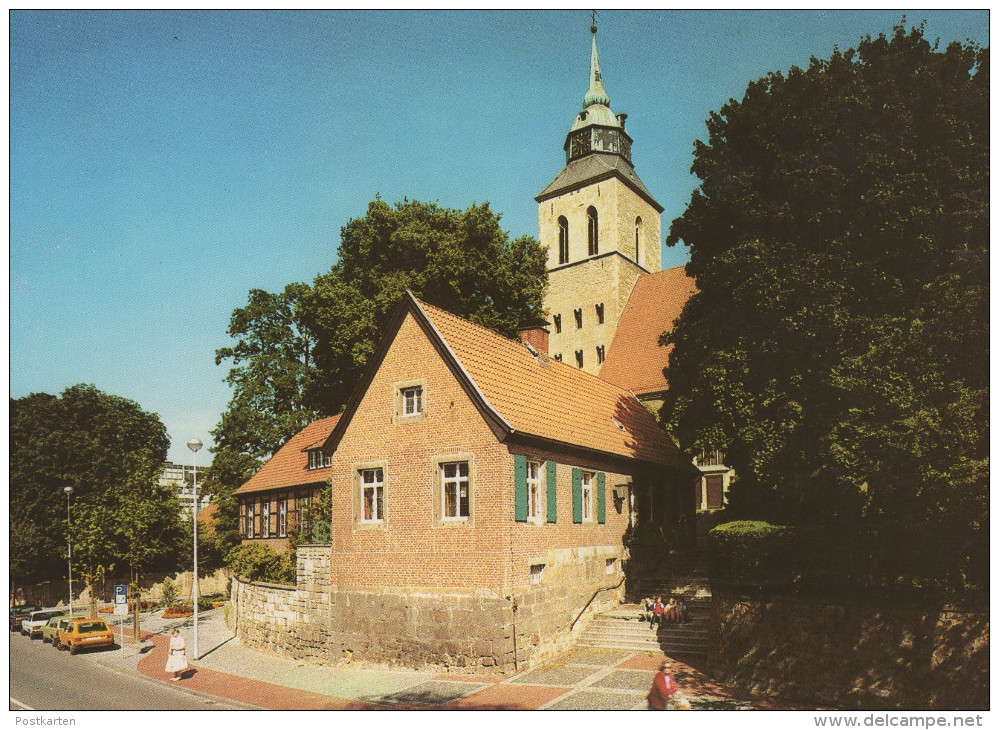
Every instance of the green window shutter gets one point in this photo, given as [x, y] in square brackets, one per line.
[520, 488]
[601, 498]
[577, 496]
[552, 491]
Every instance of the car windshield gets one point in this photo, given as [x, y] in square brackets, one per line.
[45, 615]
[88, 626]
[53, 622]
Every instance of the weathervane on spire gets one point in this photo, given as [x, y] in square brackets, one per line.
[593, 21]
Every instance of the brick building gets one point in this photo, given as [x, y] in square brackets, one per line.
[493, 482]
[279, 498]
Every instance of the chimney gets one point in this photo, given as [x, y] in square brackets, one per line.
[534, 332]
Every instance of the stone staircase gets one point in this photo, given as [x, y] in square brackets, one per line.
[685, 576]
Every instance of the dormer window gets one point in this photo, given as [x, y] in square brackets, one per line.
[318, 460]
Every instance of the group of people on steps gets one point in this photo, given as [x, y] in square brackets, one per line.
[657, 613]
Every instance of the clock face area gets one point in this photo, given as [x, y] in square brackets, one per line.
[580, 143]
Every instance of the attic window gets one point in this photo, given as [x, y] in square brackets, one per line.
[318, 460]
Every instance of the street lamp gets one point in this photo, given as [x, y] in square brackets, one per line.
[69, 548]
[194, 445]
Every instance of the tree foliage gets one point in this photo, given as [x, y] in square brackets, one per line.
[110, 452]
[837, 349]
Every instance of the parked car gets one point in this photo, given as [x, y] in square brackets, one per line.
[18, 614]
[50, 631]
[32, 626]
[85, 633]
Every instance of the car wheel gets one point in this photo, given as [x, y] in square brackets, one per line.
[72, 649]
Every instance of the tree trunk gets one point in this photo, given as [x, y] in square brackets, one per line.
[135, 610]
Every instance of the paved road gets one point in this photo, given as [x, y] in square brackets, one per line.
[42, 678]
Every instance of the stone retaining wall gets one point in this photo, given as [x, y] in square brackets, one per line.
[450, 631]
[856, 655]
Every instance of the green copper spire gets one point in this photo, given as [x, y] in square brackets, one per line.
[596, 93]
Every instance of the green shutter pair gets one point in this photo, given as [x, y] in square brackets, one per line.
[577, 497]
[520, 488]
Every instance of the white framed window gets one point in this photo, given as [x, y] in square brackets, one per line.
[249, 520]
[282, 525]
[372, 495]
[455, 491]
[537, 574]
[611, 566]
[534, 491]
[412, 401]
[587, 496]
[318, 460]
[265, 519]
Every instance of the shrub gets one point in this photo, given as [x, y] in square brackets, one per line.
[256, 562]
[168, 593]
[749, 553]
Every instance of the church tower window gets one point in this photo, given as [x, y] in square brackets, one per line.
[579, 358]
[563, 240]
[600, 313]
[579, 318]
[638, 237]
[558, 323]
[591, 231]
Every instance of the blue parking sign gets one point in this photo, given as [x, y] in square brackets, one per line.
[120, 599]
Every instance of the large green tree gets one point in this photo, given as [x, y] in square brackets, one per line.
[110, 452]
[837, 349]
[461, 261]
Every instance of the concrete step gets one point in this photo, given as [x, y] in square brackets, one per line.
[674, 650]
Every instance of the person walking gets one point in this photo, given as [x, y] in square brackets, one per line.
[177, 655]
[663, 687]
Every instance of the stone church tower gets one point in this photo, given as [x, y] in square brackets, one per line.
[601, 228]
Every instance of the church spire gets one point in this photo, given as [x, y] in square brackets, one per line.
[596, 94]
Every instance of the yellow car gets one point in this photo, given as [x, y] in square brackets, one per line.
[85, 633]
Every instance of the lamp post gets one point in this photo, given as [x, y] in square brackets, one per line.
[69, 547]
[194, 445]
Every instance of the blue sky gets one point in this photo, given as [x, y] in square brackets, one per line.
[164, 163]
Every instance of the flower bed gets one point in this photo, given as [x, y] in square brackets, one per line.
[178, 612]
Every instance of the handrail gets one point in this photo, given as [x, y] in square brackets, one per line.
[595, 594]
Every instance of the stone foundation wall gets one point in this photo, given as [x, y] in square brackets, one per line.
[288, 620]
[451, 631]
[855, 655]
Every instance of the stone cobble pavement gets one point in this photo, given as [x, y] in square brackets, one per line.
[582, 679]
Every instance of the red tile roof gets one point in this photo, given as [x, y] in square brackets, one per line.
[635, 360]
[289, 466]
[541, 397]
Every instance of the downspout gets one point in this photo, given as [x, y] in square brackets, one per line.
[516, 666]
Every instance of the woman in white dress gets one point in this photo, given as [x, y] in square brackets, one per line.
[177, 655]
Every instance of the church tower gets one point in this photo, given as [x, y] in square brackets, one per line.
[601, 228]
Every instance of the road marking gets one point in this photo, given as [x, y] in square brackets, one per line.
[21, 705]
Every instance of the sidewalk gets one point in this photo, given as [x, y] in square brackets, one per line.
[584, 679]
